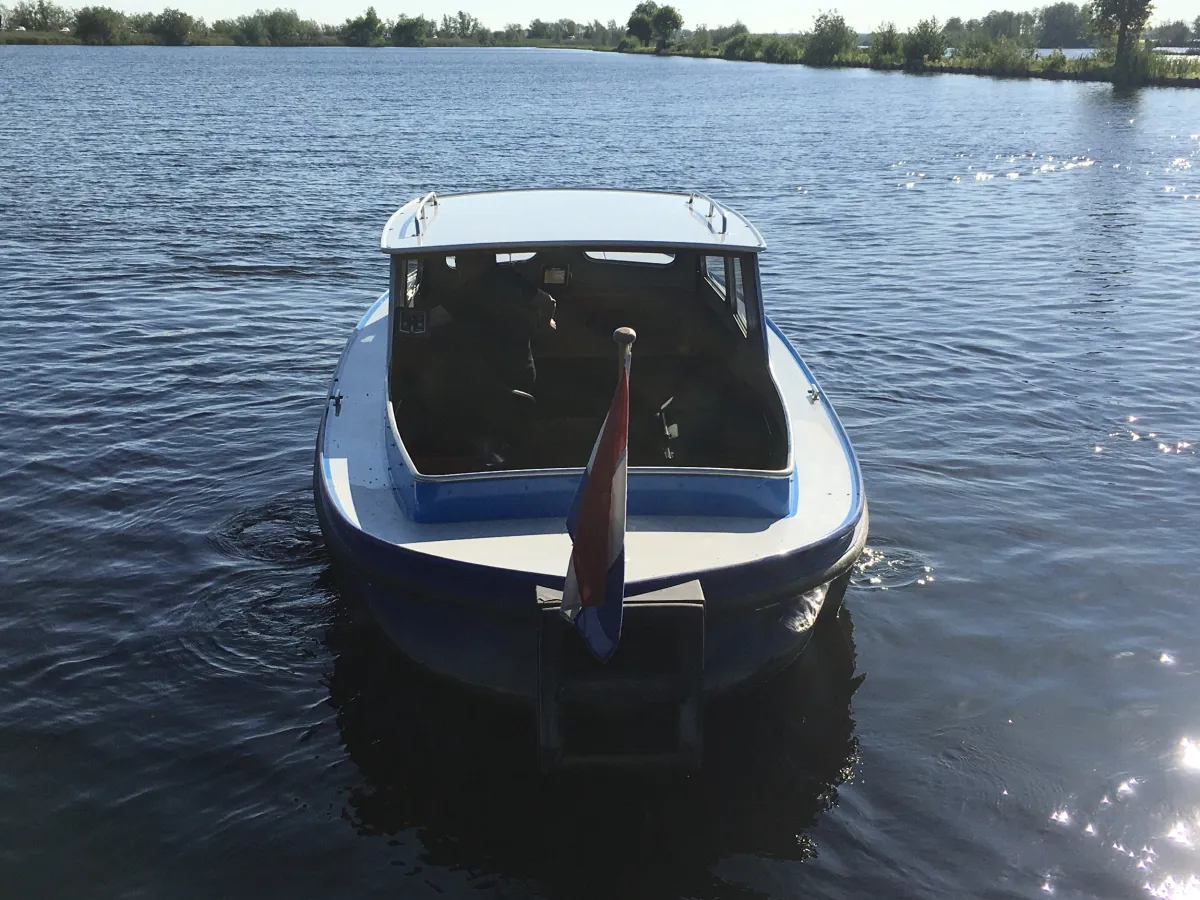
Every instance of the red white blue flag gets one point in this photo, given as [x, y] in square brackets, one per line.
[595, 587]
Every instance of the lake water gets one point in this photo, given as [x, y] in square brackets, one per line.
[996, 282]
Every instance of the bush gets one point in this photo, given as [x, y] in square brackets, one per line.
[884, 45]
[830, 36]
[779, 49]
[745, 47]
[1147, 64]
[927, 41]
[1007, 57]
[725, 32]
[1055, 62]
[971, 45]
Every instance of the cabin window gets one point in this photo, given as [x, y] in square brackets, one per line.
[714, 270]
[637, 258]
[738, 294]
[501, 258]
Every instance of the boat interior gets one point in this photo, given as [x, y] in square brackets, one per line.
[701, 393]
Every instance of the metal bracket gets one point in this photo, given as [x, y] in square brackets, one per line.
[658, 670]
[814, 393]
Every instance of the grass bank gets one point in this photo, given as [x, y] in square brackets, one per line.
[36, 37]
[223, 40]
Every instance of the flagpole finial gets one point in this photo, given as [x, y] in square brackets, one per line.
[624, 336]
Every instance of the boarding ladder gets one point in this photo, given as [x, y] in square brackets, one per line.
[644, 707]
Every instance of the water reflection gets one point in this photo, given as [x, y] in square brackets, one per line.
[459, 770]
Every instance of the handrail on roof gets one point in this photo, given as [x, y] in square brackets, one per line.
[430, 199]
[713, 208]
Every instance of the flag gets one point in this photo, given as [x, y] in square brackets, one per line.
[595, 587]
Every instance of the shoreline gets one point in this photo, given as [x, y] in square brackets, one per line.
[1098, 75]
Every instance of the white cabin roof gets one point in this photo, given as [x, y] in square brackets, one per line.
[561, 218]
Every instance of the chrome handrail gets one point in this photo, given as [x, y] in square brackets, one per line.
[430, 199]
[713, 208]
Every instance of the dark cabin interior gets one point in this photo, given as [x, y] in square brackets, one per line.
[700, 392]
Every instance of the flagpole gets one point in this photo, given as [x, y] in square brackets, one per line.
[624, 338]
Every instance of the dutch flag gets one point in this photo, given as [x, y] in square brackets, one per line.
[595, 587]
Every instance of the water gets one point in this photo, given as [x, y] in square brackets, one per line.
[995, 281]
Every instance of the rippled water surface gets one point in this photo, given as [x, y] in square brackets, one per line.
[996, 282]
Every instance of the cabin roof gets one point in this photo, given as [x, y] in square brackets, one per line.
[566, 218]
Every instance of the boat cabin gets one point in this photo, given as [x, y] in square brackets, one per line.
[487, 373]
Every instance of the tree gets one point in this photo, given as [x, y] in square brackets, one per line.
[927, 41]
[723, 33]
[411, 31]
[884, 45]
[664, 24]
[466, 25]
[1172, 34]
[640, 27]
[365, 31]
[173, 27]
[955, 31]
[1063, 25]
[282, 27]
[1005, 23]
[1127, 20]
[641, 21]
[98, 25]
[39, 16]
[140, 23]
[830, 36]
[1196, 28]
[595, 33]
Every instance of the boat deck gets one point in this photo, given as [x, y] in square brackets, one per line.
[354, 464]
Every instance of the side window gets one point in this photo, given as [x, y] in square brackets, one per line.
[714, 269]
[738, 294]
[412, 280]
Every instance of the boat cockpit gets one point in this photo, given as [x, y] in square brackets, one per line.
[505, 360]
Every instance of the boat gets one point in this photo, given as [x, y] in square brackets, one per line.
[463, 412]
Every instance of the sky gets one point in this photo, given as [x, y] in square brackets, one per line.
[758, 15]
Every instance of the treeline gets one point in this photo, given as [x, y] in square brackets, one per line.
[1063, 25]
[1007, 38]
[1121, 54]
[1176, 34]
[285, 28]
